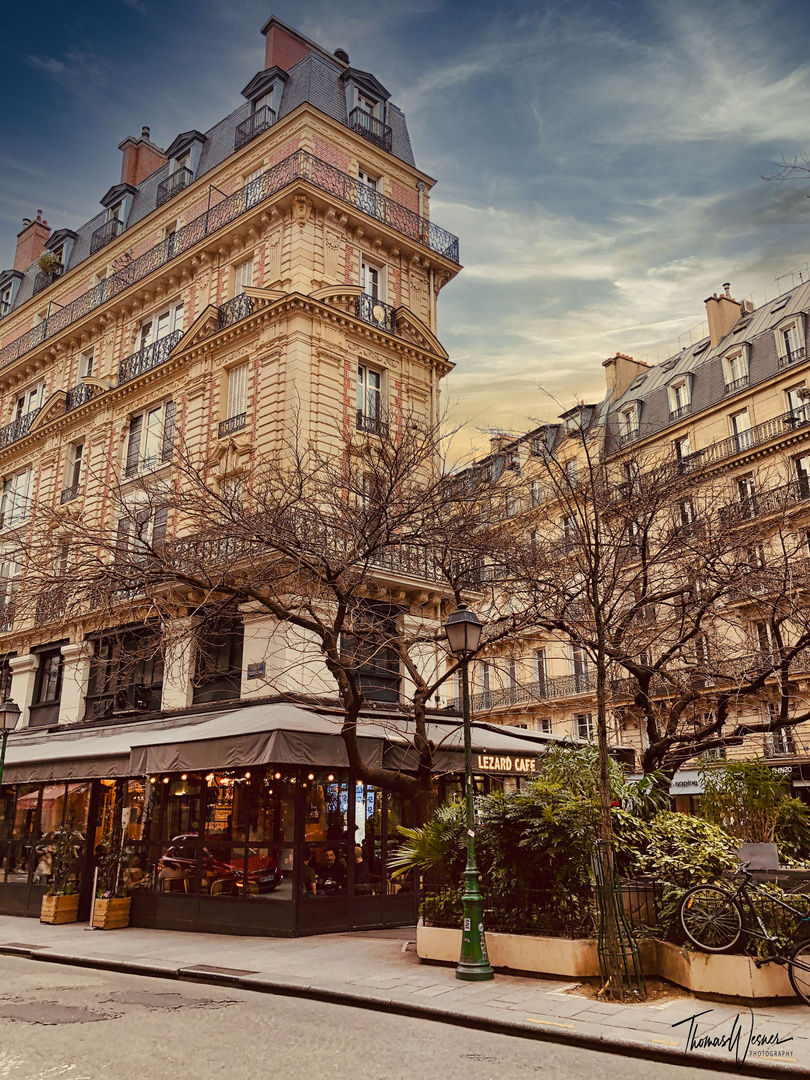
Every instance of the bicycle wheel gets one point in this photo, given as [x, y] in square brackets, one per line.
[711, 919]
[799, 971]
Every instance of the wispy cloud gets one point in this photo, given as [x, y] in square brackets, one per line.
[79, 72]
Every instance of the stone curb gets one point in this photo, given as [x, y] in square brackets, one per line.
[539, 1031]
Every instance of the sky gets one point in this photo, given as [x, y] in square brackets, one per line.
[601, 162]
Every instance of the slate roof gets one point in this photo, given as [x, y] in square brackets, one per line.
[313, 79]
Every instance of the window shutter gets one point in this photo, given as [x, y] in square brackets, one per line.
[133, 446]
[159, 524]
[237, 391]
[168, 431]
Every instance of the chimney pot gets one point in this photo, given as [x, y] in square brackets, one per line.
[727, 288]
[341, 54]
[144, 132]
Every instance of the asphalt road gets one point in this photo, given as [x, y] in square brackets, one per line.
[77, 1024]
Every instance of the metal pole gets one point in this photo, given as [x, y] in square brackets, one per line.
[3, 752]
[473, 965]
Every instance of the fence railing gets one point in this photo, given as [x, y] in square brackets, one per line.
[255, 124]
[240, 307]
[173, 184]
[371, 128]
[153, 355]
[747, 440]
[17, 428]
[526, 693]
[759, 503]
[47, 277]
[300, 165]
[77, 395]
[376, 312]
[232, 424]
[105, 234]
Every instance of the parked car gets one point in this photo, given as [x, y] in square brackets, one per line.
[220, 862]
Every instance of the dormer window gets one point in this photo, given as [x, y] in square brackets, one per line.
[366, 107]
[5, 300]
[735, 370]
[790, 341]
[264, 93]
[679, 398]
[117, 203]
[629, 422]
[184, 159]
[9, 284]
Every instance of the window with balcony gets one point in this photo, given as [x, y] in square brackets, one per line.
[686, 513]
[9, 584]
[140, 530]
[218, 661]
[741, 430]
[151, 439]
[15, 502]
[126, 674]
[253, 187]
[31, 401]
[367, 188]
[541, 670]
[571, 472]
[797, 399]
[6, 299]
[237, 400]
[580, 669]
[683, 449]
[629, 423]
[735, 370]
[790, 341]
[369, 399]
[679, 399]
[47, 688]
[160, 326]
[747, 495]
[802, 473]
[537, 492]
[73, 478]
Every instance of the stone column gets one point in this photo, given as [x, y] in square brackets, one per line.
[23, 674]
[76, 659]
[178, 664]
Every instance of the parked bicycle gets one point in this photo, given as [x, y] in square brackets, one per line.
[715, 919]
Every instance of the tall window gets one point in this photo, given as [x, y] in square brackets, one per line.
[253, 188]
[371, 280]
[579, 669]
[47, 689]
[679, 398]
[9, 583]
[160, 326]
[243, 276]
[746, 494]
[151, 438]
[791, 342]
[218, 661]
[368, 646]
[741, 430]
[736, 371]
[5, 300]
[797, 399]
[141, 530]
[586, 729]
[16, 498]
[540, 661]
[237, 390]
[628, 423]
[367, 192]
[571, 471]
[86, 364]
[75, 463]
[683, 448]
[29, 402]
[126, 674]
[537, 492]
[803, 475]
[369, 394]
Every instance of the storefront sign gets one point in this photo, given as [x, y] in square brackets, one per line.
[505, 764]
[686, 782]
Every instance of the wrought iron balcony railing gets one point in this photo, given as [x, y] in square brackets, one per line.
[77, 395]
[564, 686]
[105, 235]
[255, 124]
[746, 440]
[372, 425]
[680, 412]
[626, 437]
[69, 494]
[736, 384]
[300, 165]
[234, 311]
[765, 502]
[792, 356]
[173, 184]
[376, 312]
[233, 423]
[17, 429]
[371, 128]
[151, 357]
[47, 277]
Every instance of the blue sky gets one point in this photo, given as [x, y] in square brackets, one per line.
[601, 162]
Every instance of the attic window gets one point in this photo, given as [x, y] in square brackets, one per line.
[783, 303]
[668, 365]
[639, 379]
[701, 348]
[741, 326]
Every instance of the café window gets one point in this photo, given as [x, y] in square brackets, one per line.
[47, 688]
[218, 661]
[126, 674]
[368, 647]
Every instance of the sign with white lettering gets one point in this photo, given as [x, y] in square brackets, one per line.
[505, 763]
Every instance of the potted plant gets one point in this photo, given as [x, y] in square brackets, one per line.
[49, 263]
[61, 902]
[744, 798]
[111, 903]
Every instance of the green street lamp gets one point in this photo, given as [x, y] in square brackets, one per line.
[9, 715]
[463, 630]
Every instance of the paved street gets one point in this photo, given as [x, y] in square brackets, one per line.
[62, 1022]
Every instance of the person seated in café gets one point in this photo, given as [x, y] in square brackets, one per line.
[362, 873]
[133, 874]
[309, 875]
[332, 873]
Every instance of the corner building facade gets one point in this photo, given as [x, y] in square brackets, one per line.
[274, 276]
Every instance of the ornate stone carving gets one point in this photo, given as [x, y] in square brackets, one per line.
[333, 250]
[301, 209]
[272, 263]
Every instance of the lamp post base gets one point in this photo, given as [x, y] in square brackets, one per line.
[473, 964]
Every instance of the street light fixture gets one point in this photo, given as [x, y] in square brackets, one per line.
[9, 715]
[463, 630]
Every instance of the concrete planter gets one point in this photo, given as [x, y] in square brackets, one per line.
[734, 977]
[59, 909]
[111, 914]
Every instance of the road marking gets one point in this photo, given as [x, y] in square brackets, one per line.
[548, 1023]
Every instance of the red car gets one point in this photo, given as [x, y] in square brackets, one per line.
[220, 863]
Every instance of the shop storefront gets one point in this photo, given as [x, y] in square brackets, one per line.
[244, 821]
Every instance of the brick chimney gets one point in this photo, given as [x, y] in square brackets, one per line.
[141, 158]
[284, 47]
[723, 313]
[31, 241]
[620, 370]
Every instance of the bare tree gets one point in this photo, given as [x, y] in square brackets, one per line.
[355, 552]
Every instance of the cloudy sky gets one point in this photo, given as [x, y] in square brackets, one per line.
[601, 161]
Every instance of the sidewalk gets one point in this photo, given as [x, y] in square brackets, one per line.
[380, 970]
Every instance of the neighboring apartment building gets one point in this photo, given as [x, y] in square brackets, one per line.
[735, 408]
[274, 277]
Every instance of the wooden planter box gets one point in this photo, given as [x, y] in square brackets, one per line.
[111, 914]
[60, 909]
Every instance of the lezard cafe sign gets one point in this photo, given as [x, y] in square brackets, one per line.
[505, 764]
